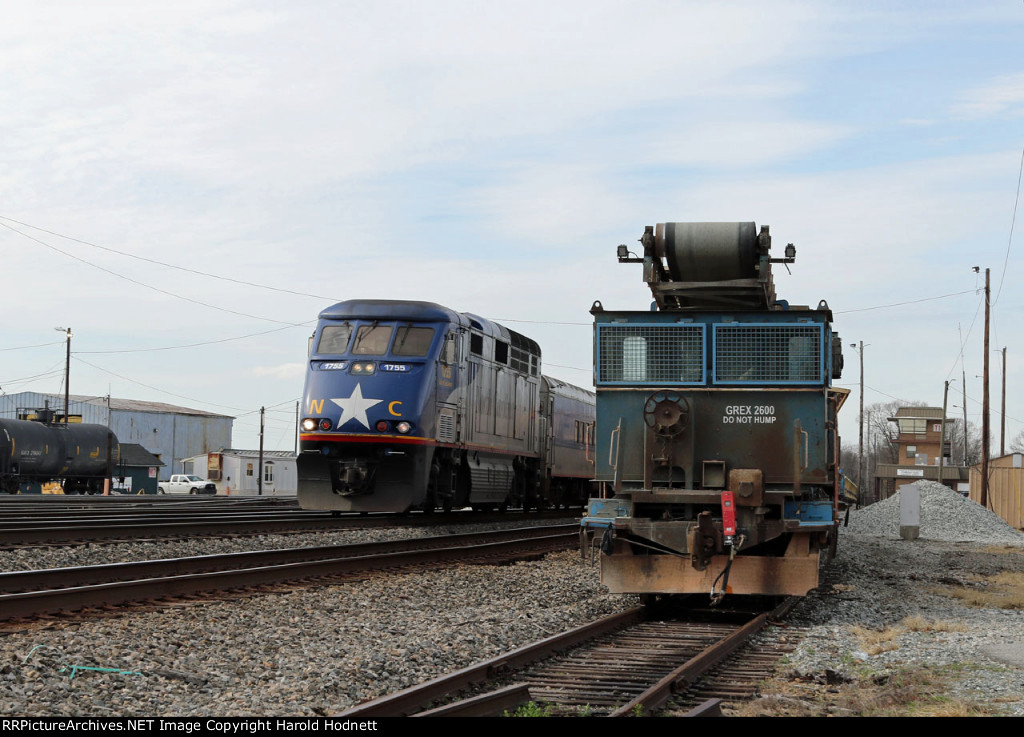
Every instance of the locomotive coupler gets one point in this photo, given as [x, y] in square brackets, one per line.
[705, 539]
[348, 478]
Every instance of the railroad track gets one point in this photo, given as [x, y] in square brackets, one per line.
[628, 664]
[28, 594]
[74, 527]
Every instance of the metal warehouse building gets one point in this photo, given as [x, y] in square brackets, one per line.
[238, 472]
[169, 432]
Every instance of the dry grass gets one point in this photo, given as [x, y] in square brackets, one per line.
[917, 623]
[874, 642]
[912, 692]
[1003, 550]
[1002, 591]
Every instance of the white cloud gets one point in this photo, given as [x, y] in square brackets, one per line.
[1004, 95]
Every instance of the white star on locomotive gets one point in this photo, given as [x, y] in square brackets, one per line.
[355, 407]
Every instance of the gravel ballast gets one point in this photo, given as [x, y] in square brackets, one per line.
[879, 580]
[318, 651]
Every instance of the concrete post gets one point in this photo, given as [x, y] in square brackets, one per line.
[910, 512]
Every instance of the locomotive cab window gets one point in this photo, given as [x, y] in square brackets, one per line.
[372, 340]
[334, 339]
[451, 349]
[410, 341]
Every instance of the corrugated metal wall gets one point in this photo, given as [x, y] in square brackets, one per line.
[1005, 488]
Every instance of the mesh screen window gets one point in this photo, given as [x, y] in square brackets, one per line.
[650, 354]
[760, 354]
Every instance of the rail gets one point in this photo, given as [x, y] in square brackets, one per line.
[34, 593]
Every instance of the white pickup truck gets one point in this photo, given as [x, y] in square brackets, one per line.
[182, 483]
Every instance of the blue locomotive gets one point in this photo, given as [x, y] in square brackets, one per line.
[82, 457]
[717, 439]
[410, 405]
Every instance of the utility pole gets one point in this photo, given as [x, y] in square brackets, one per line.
[942, 430]
[1002, 431]
[67, 373]
[260, 479]
[963, 378]
[860, 446]
[67, 380]
[985, 406]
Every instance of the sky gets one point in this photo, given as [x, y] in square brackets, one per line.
[186, 185]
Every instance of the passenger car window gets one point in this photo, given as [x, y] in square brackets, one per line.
[413, 341]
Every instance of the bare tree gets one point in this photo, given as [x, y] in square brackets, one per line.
[955, 437]
[1017, 444]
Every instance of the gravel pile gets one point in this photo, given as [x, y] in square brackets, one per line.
[878, 580]
[945, 515]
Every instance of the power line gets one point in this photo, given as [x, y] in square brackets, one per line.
[168, 265]
[143, 284]
[208, 342]
[571, 368]
[1013, 221]
[59, 368]
[963, 341]
[37, 345]
[242, 412]
[901, 304]
[537, 322]
[154, 388]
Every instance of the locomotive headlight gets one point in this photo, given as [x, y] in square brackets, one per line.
[363, 368]
[403, 427]
[309, 424]
[325, 424]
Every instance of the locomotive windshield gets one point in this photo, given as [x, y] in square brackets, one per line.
[372, 340]
[410, 341]
[334, 339]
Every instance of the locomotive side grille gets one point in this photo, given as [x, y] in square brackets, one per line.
[446, 426]
[650, 354]
[759, 354]
[520, 360]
